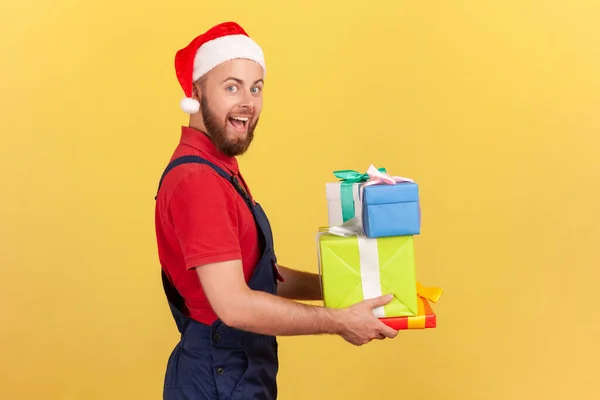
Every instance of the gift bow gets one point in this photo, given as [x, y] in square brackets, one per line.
[352, 176]
[372, 176]
[377, 176]
[432, 294]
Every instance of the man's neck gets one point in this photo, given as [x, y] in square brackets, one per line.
[201, 130]
[199, 127]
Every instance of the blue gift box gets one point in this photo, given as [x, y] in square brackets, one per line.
[391, 210]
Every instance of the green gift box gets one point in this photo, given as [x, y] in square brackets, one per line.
[354, 268]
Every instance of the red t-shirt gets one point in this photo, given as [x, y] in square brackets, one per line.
[200, 218]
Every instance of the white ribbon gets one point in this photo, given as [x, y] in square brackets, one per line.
[352, 227]
[369, 271]
[369, 259]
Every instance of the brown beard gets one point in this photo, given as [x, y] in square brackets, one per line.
[216, 130]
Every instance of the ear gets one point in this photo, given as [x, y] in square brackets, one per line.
[196, 91]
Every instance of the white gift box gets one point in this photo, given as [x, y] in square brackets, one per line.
[334, 203]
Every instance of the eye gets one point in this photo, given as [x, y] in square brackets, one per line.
[231, 88]
[255, 90]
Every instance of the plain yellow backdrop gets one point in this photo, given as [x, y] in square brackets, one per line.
[492, 106]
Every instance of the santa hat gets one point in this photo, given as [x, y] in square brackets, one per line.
[221, 43]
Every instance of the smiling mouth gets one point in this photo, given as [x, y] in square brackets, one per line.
[239, 124]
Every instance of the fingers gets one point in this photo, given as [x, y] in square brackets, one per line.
[379, 301]
[388, 332]
[385, 334]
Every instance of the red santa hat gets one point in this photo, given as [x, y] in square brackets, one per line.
[221, 43]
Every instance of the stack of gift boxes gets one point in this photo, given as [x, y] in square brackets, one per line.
[368, 248]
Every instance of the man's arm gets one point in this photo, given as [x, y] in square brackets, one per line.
[204, 199]
[299, 285]
[240, 307]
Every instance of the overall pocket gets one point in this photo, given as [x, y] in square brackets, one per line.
[231, 369]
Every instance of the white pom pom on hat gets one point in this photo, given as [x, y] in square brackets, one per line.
[221, 43]
[189, 105]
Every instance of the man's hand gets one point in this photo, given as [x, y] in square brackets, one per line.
[360, 325]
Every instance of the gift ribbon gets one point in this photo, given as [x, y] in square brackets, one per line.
[370, 277]
[352, 176]
[378, 177]
[348, 178]
[432, 294]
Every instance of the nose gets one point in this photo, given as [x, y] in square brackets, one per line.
[246, 101]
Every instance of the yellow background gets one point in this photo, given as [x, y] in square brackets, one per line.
[492, 106]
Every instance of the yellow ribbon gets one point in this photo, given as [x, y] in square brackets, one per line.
[430, 293]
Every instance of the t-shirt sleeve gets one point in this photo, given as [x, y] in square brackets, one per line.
[204, 216]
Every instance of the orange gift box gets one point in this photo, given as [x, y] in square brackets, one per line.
[425, 318]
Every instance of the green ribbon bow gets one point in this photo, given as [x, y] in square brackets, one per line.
[349, 177]
[352, 176]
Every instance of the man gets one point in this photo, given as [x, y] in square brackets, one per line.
[227, 294]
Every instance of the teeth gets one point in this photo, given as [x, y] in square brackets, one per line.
[240, 118]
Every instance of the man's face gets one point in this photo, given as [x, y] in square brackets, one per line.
[230, 103]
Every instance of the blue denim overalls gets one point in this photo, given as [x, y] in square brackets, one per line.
[217, 361]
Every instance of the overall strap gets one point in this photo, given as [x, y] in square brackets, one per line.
[199, 160]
